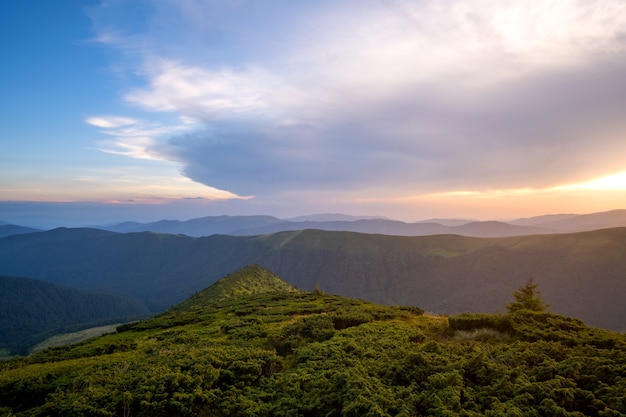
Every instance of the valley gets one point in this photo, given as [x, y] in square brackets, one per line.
[580, 274]
[68, 279]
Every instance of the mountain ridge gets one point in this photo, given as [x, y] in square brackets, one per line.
[7, 229]
[581, 274]
[264, 224]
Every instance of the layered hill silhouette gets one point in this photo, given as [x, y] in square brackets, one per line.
[7, 229]
[256, 225]
[263, 224]
[33, 310]
[251, 345]
[580, 274]
[576, 222]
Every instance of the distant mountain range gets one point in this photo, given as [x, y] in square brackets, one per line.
[258, 225]
[576, 222]
[12, 229]
[580, 274]
[262, 224]
[332, 217]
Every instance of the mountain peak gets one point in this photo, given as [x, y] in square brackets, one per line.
[332, 217]
[252, 279]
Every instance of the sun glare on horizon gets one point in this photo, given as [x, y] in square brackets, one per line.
[609, 183]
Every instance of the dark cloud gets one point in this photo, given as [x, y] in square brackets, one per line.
[452, 97]
[533, 133]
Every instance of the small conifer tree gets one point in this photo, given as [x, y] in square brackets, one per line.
[527, 298]
[317, 290]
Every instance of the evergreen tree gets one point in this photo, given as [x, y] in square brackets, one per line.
[527, 298]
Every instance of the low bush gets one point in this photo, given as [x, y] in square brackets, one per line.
[467, 321]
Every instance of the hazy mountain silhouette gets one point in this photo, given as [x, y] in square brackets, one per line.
[7, 229]
[204, 226]
[332, 217]
[257, 225]
[577, 222]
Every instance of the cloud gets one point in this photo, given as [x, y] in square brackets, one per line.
[131, 137]
[146, 185]
[109, 122]
[413, 96]
[196, 92]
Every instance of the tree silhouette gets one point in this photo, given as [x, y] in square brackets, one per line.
[527, 298]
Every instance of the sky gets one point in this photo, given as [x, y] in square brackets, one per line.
[412, 109]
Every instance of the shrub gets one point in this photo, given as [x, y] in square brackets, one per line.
[470, 322]
[345, 320]
[480, 335]
[309, 329]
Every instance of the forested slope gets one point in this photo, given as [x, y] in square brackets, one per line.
[32, 310]
[581, 274]
[276, 353]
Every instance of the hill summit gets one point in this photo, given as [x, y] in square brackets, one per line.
[252, 279]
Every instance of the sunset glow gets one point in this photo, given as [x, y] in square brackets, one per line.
[609, 183]
[409, 110]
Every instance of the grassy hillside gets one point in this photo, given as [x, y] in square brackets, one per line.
[581, 274]
[303, 354]
[252, 279]
[32, 310]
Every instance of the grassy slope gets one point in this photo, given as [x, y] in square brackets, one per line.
[293, 353]
[74, 337]
[581, 274]
[252, 279]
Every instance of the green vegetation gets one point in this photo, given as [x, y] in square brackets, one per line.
[582, 274]
[252, 279]
[31, 311]
[291, 353]
[527, 298]
[74, 337]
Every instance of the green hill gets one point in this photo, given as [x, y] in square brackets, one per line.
[292, 353]
[253, 279]
[32, 310]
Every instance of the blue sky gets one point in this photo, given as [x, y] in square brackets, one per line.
[130, 109]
